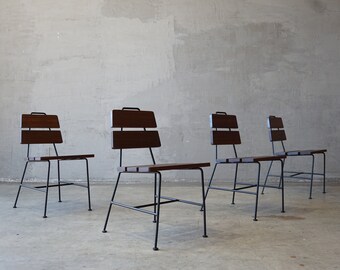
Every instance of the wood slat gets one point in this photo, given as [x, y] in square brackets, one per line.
[225, 137]
[135, 139]
[40, 136]
[223, 121]
[277, 135]
[275, 122]
[68, 157]
[39, 121]
[163, 167]
[133, 119]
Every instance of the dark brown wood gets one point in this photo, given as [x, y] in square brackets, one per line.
[41, 136]
[261, 158]
[133, 119]
[69, 157]
[223, 121]
[135, 139]
[225, 137]
[275, 122]
[39, 121]
[163, 167]
[277, 135]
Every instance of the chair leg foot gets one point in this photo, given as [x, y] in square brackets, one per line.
[44, 216]
[104, 231]
[310, 198]
[283, 211]
[14, 207]
[205, 236]
[60, 201]
[255, 219]
[155, 248]
[89, 209]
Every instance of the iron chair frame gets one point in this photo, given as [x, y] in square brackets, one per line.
[277, 135]
[156, 170]
[48, 160]
[236, 160]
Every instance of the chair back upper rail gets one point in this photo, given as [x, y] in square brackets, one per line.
[219, 120]
[133, 119]
[135, 139]
[275, 122]
[39, 121]
[41, 137]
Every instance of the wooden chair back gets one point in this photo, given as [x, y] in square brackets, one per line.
[223, 129]
[276, 129]
[132, 132]
[37, 129]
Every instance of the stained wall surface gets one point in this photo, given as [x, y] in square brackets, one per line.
[183, 59]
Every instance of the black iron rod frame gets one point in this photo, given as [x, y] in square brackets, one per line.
[47, 186]
[240, 189]
[157, 203]
[296, 174]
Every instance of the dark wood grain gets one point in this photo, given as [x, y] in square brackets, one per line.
[277, 135]
[68, 157]
[135, 139]
[40, 136]
[275, 122]
[223, 121]
[133, 119]
[39, 121]
[225, 137]
[163, 167]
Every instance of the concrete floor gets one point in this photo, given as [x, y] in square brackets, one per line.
[307, 236]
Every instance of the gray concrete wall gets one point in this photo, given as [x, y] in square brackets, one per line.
[181, 58]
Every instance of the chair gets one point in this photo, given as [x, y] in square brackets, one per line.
[40, 128]
[223, 133]
[138, 137]
[277, 135]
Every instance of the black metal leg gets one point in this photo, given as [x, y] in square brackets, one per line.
[47, 186]
[19, 189]
[324, 172]
[88, 183]
[283, 172]
[110, 206]
[211, 178]
[203, 205]
[265, 181]
[311, 178]
[59, 191]
[282, 187]
[257, 190]
[158, 210]
[154, 198]
[235, 180]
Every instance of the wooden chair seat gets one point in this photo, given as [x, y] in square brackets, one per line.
[163, 167]
[68, 157]
[302, 152]
[250, 159]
